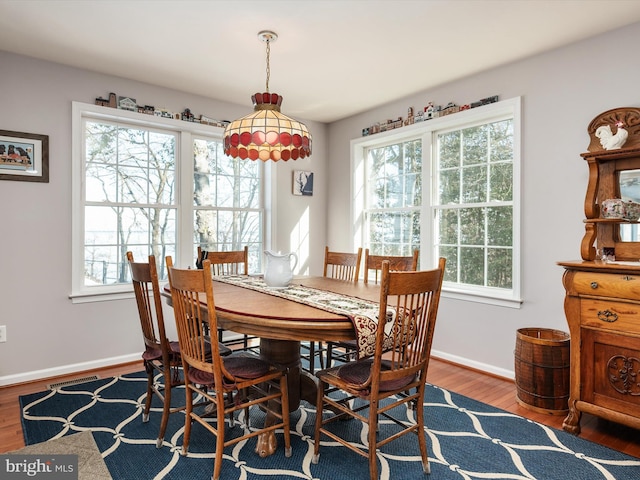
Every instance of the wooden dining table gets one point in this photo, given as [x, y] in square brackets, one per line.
[281, 324]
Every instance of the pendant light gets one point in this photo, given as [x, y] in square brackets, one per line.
[267, 134]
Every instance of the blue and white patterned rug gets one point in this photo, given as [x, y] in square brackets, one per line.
[466, 440]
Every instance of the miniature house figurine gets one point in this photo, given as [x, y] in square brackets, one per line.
[127, 103]
[103, 102]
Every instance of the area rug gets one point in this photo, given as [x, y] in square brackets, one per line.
[466, 440]
[90, 465]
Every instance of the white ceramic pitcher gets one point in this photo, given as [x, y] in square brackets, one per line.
[279, 271]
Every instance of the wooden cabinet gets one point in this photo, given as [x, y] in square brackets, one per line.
[602, 302]
[602, 306]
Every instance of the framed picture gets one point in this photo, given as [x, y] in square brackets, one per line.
[302, 182]
[24, 157]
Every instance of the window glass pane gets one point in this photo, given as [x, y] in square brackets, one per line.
[135, 225]
[473, 260]
[499, 263]
[501, 220]
[451, 267]
[133, 146]
[449, 182]
[394, 233]
[100, 225]
[501, 182]
[100, 265]
[472, 226]
[475, 145]
[474, 184]
[133, 185]
[448, 227]
[101, 143]
[449, 150]
[100, 183]
[501, 141]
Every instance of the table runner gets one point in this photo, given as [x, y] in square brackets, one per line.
[362, 313]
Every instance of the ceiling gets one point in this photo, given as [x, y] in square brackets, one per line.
[333, 58]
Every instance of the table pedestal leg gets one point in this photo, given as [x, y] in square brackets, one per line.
[301, 385]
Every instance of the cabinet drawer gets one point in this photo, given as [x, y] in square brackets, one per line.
[610, 315]
[607, 285]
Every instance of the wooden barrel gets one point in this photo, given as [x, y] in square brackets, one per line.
[542, 370]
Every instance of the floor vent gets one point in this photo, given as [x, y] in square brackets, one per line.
[77, 381]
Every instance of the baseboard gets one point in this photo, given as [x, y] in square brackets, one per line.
[474, 365]
[107, 362]
[66, 369]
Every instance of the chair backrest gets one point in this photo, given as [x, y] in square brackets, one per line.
[144, 277]
[414, 296]
[235, 262]
[193, 305]
[342, 266]
[396, 264]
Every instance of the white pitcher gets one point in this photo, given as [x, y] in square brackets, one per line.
[279, 271]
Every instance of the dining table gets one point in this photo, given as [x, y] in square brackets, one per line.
[282, 323]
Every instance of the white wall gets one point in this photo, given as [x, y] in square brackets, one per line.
[562, 92]
[47, 334]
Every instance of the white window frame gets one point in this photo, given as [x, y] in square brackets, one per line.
[426, 131]
[186, 132]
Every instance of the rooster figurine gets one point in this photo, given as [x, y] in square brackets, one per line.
[608, 140]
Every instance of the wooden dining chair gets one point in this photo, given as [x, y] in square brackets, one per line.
[341, 266]
[234, 262]
[251, 380]
[399, 365]
[346, 350]
[396, 264]
[160, 355]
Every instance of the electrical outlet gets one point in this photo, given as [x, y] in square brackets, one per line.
[3, 333]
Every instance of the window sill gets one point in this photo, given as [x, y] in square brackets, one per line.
[485, 298]
[90, 297]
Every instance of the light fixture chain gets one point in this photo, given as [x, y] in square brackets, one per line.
[268, 66]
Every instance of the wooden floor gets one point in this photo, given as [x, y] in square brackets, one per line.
[485, 388]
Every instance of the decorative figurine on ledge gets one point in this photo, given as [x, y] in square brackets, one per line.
[608, 140]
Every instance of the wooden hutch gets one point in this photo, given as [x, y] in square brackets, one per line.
[602, 302]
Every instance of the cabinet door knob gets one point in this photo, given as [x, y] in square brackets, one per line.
[594, 285]
[607, 316]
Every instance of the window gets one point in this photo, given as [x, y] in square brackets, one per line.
[450, 187]
[394, 198]
[155, 186]
[129, 198]
[227, 202]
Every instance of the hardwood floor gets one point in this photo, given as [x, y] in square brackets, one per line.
[10, 425]
[495, 391]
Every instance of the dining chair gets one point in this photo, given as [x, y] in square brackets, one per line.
[160, 355]
[249, 379]
[341, 266]
[348, 348]
[234, 262]
[409, 303]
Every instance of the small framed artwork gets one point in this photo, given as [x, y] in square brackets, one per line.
[24, 157]
[302, 182]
